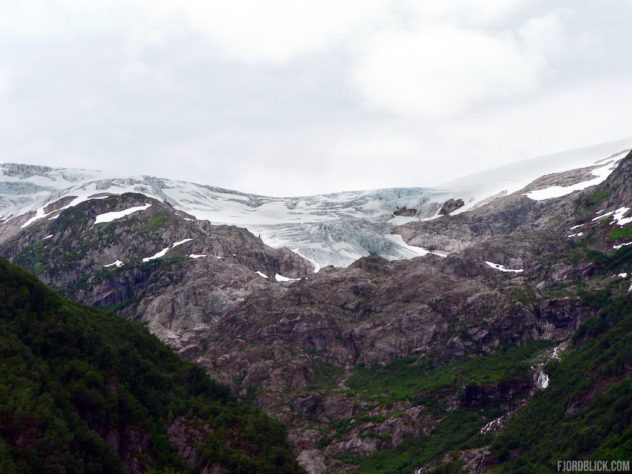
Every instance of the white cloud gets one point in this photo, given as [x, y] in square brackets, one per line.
[560, 119]
[467, 12]
[378, 159]
[390, 145]
[305, 96]
[549, 39]
[442, 70]
[42, 19]
[4, 83]
[275, 30]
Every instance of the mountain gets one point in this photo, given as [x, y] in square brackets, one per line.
[333, 229]
[83, 391]
[377, 366]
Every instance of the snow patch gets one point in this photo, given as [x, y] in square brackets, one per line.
[160, 254]
[617, 247]
[164, 251]
[117, 264]
[501, 268]
[601, 174]
[579, 234]
[261, 274]
[175, 244]
[48, 237]
[542, 381]
[112, 216]
[601, 216]
[279, 277]
[196, 255]
[577, 226]
[618, 216]
[39, 214]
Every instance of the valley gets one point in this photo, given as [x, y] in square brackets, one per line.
[451, 349]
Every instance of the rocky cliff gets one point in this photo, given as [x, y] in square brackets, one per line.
[446, 338]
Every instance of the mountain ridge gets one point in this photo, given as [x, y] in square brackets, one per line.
[331, 229]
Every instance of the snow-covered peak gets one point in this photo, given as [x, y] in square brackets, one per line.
[331, 229]
[478, 188]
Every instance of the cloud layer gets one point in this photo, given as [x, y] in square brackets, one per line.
[299, 97]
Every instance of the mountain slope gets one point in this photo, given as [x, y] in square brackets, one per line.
[586, 413]
[329, 229]
[124, 260]
[81, 391]
[452, 338]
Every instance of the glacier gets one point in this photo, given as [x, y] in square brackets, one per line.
[329, 229]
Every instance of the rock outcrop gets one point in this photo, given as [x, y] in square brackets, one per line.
[450, 206]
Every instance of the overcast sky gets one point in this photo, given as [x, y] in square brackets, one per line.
[291, 97]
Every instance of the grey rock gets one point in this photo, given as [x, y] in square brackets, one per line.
[450, 206]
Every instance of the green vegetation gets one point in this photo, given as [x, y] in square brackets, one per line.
[406, 378]
[156, 221]
[72, 377]
[524, 294]
[621, 233]
[458, 430]
[421, 381]
[34, 256]
[586, 413]
[619, 261]
[586, 205]
[326, 376]
[598, 197]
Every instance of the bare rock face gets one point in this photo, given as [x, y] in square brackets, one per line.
[450, 206]
[202, 272]
[405, 212]
[290, 347]
[313, 461]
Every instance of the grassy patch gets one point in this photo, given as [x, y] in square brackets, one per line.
[156, 221]
[326, 376]
[524, 294]
[596, 198]
[405, 378]
[621, 233]
[588, 203]
[618, 261]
